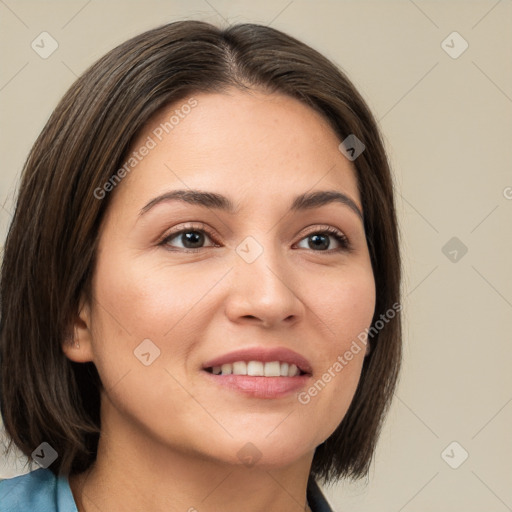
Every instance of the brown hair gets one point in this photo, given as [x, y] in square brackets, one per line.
[50, 249]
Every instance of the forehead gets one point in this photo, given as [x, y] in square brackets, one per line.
[251, 144]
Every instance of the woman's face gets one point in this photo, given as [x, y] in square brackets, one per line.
[263, 285]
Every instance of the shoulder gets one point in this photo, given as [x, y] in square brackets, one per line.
[38, 490]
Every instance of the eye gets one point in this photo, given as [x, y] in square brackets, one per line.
[191, 238]
[319, 240]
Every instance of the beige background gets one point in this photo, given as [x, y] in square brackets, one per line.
[448, 127]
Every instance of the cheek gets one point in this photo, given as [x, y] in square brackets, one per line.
[136, 302]
[141, 324]
[346, 309]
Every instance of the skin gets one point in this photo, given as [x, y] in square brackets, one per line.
[170, 437]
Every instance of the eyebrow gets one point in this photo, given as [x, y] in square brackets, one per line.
[305, 201]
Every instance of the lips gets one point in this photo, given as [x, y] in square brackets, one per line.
[260, 372]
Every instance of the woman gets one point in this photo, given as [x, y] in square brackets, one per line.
[200, 286]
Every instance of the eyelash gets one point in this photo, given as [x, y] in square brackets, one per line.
[338, 235]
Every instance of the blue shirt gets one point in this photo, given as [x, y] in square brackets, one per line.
[42, 491]
[37, 491]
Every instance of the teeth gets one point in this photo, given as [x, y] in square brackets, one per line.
[272, 369]
[257, 369]
[293, 370]
[240, 368]
[226, 369]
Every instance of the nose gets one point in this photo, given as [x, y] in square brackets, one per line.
[264, 292]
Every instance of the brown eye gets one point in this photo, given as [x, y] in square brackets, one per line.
[319, 241]
[193, 238]
[189, 238]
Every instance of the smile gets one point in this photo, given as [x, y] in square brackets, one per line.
[260, 372]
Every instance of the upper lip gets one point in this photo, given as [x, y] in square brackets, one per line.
[263, 354]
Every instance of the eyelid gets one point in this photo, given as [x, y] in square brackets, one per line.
[187, 227]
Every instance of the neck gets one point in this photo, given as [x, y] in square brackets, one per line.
[133, 473]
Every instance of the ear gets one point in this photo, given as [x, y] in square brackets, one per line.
[78, 345]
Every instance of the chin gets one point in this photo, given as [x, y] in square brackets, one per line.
[257, 448]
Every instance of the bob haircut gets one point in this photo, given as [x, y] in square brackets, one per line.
[50, 250]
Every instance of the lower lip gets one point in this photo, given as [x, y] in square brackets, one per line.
[261, 387]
